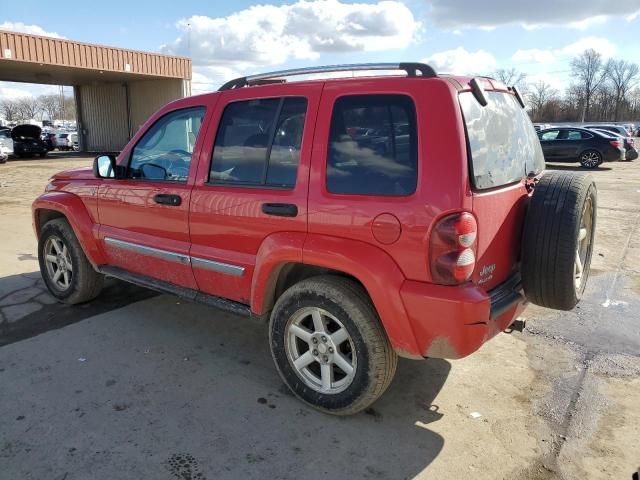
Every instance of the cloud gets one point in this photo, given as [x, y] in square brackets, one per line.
[468, 13]
[269, 34]
[536, 55]
[461, 61]
[24, 28]
[14, 91]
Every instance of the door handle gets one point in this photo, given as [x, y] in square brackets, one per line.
[168, 199]
[280, 209]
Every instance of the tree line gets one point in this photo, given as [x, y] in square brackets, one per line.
[53, 107]
[600, 90]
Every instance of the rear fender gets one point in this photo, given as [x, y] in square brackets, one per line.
[379, 275]
[275, 252]
[74, 210]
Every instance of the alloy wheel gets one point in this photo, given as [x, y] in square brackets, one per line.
[321, 351]
[584, 245]
[58, 262]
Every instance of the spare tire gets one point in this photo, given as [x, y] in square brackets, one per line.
[558, 239]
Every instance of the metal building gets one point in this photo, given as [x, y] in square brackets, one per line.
[115, 89]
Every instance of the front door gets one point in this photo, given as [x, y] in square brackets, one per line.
[144, 218]
[253, 185]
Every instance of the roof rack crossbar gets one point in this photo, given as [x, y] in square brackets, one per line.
[412, 70]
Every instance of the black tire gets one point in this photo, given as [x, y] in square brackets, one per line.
[85, 283]
[563, 203]
[375, 359]
[590, 159]
[44, 154]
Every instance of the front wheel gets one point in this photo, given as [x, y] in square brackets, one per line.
[64, 267]
[329, 346]
[590, 159]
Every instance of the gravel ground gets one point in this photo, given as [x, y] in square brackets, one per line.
[148, 386]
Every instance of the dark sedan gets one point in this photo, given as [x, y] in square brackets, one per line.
[587, 147]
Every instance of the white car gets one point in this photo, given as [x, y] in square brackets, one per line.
[64, 141]
[6, 145]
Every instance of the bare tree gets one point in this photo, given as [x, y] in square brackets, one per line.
[50, 105]
[9, 109]
[28, 107]
[623, 76]
[510, 76]
[590, 71]
[539, 96]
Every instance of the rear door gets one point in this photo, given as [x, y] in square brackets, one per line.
[549, 142]
[504, 151]
[253, 183]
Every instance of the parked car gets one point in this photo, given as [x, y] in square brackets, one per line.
[27, 142]
[259, 200]
[6, 144]
[619, 129]
[629, 143]
[64, 141]
[573, 144]
[49, 139]
[75, 145]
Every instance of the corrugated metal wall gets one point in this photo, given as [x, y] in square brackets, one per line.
[104, 117]
[147, 96]
[105, 124]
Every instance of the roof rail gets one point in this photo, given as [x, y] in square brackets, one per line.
[412, 70]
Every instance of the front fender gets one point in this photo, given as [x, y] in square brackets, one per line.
[379, 274]
[76, 213]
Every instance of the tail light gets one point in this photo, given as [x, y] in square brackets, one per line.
[453, 247]
[615, 143]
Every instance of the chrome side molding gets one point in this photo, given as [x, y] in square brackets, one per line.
[221, 267]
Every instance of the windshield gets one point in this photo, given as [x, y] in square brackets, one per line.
[503, 144]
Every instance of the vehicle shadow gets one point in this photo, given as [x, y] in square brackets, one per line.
[576, 168]
[27, 309]
[174, 381]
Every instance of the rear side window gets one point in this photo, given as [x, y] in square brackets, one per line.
[503, 144]
[550, 135]
[258, 143]
[373, 146]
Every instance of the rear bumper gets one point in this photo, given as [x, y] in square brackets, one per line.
[453, 322]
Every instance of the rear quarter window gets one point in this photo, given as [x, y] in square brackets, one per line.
[503, 144]
[373, 146]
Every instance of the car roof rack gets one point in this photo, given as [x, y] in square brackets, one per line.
[411, 68]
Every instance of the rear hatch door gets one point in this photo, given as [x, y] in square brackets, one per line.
[504, 158]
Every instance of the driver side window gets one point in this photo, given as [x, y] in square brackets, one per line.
[164, 151]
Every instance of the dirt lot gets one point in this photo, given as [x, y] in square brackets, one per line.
[138, 385]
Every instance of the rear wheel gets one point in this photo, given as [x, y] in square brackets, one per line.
[64, 267]
[590, 159]
[329, 346]
[558, 240]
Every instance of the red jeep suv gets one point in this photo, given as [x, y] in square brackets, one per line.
[367, 218]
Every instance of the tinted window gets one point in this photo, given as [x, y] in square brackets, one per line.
[164, 151]
[574, 135]
[258, 142]
[373, 146]
[550, 135]
[503, 144]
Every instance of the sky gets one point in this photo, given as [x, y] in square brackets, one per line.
[229, 39]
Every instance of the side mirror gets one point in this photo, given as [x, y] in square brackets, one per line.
[104, 166]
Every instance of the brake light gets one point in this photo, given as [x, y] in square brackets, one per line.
[453, 247]
[615, 143]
